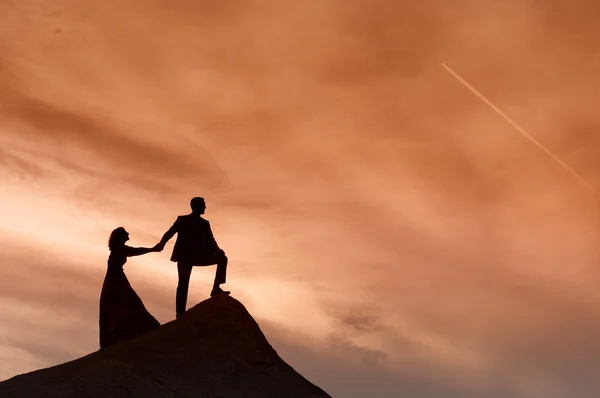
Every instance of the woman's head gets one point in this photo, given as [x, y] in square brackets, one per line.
[118, 237]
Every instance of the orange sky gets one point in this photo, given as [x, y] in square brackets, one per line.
[391, 233]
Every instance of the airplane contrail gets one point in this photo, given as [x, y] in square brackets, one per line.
[519, 128]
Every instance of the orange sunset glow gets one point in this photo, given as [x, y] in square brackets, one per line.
[390, 231]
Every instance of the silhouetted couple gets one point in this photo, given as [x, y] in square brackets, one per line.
[122, 312]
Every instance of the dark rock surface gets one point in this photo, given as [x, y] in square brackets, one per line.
[215, 350]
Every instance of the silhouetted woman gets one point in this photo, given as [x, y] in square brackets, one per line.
[122, 313]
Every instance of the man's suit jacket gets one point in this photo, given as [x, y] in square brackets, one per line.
[195, 242]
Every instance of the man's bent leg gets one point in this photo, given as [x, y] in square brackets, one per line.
[220, 276]
[184, 271]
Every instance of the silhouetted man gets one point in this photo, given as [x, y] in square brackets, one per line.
[195, 245]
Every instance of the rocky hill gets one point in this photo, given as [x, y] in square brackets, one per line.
[215, 350]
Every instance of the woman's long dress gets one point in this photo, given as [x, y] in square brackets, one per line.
[122, 312]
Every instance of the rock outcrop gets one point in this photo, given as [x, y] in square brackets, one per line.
[216, 349]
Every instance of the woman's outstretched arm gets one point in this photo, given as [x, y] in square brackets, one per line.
[138, 251]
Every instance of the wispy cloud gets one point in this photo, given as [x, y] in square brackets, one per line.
[377, 216]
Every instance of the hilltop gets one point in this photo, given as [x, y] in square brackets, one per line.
[216, 349]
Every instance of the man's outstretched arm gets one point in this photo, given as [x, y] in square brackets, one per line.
[169, 234]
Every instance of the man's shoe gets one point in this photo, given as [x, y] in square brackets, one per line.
[217, 291]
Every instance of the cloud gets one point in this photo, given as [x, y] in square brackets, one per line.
[346, 370]
[344, 170]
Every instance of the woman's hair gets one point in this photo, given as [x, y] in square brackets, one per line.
[117, 238]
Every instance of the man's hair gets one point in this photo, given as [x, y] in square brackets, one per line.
[196, 203]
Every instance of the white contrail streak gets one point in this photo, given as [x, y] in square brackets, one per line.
[519, 128]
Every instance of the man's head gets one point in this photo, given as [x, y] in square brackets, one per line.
[198, 205]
